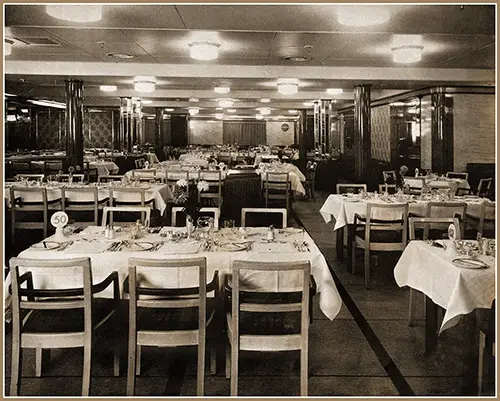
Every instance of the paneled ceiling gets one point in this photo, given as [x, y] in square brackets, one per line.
[256, 42]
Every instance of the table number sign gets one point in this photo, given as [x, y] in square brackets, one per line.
[452, 235]
[59, 220]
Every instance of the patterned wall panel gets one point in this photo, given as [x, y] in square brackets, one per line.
[381, 133]
[51, 130]
[205, 132]
[98, 129]
[473, 130]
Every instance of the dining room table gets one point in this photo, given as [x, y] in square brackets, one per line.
[437, 182]
[297, 178]
[343, 207]
[460, 277]
[220, 247]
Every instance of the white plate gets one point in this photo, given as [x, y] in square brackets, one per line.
[46, 245]
[234, 247]
[468, 263]
[139, 246]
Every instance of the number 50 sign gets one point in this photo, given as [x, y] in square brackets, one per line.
[59, 219]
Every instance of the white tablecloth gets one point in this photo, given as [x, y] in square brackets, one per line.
[296, 176]
[160, 192]
[103, 167]
[438, 183]
[458, 290]
[262, 157]
[193, 159]
[104, 262]
[343, 208]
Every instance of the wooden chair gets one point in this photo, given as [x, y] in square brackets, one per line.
[156, 329]
[378, 233]
[172, 176]
[484, 187]
[414, 188]
[248, 300]
[350, 188]
[45, 318]
[485, 220]
[454, 174]
[389, 177]
[81, 200]
[52, 166]
[389, 188]
[447, 209]
[77, 178]
[426, 223]
[486, 345]
[146, 175]
[139, 163]
[264, 211]
[24, 212]
[277, 188]
[29, 177]
[214, 192]
[19, 167]
[145, 214]
[110, 178]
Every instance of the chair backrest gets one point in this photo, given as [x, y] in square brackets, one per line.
[76, 199]
[389, 188]
[251, 279]
[30, 177]
[139, 163]
[277, 181]
[75, 177]
[28, 198]
[23, 167]
[31, 297]
[172, 176]
[149, 174]
[127, 196]
[448, 209]
[111, 177]
[429, 223]
[484, 186]
[265, 211]
[145, 214]
[389, 177]
[387, 217]
[214, 181]
[416, 184]
[454, 174]
[350, 188]
[50, 166]
[487, 214]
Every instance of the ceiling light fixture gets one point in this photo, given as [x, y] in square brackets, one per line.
[169, 109]
[334, 91]
[204, 50]
[8, 47]
[108, 88]
[288, 86]
[222, 89]
[231, 110]
[75, 13]
[219, 116]
[265, 111]
[121, 55]
[144, 101]
[363, 15]
[293, 111]
[144, 84]
[194, 100]
[406, 48]
[48, 103]
[225, 102]
[259, 116]
[308, 104]
[265, 100]
[193, 111]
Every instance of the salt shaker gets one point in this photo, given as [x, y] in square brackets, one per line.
[270, 233]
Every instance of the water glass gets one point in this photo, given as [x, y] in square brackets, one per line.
[229, 223]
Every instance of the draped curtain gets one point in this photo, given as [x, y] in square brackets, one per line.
[244, 132]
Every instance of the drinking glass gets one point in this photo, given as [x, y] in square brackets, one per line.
[229, 223]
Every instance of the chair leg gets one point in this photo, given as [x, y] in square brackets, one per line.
[38, 362]
[131, 367]
[201, 368]
[86, 370]
[116, 362]
[228, 360]
[367, 268]
[213, 359]
[304, 372]
[138, 361]
[234, 368]
[16, 365]
[353, 261]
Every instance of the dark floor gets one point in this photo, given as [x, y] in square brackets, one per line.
[367, 350]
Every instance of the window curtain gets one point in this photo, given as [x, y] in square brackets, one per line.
[244, 132]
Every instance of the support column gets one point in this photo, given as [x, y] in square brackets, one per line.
[124, 138]
[302, 127]
[442, 132]
[159, 141]
[74, 123]
[362, 131]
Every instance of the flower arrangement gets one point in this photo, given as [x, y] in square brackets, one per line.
[187, 196]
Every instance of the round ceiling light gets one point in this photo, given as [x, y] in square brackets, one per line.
[194, 100]
[265, 111]
[334, 91]
[204, 50]
[108, 88]
[356, 15]
[144, 84]
[293, 111]
[259, 116]
[298, 59]
[144, 101]
[225, 102]
[75, 12]
[222, 89]
[169, 109]
[219, 116]
[265, 100]
[407, 54]
[288, 88]
[121, 55]
[193, 111]
[231, 110]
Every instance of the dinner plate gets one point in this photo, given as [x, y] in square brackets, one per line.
[469, 263]
[46, 245]
[139, 246]
[234, 246]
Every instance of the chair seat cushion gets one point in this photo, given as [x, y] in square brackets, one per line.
[66, 320]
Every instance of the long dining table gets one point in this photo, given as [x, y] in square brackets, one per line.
[291, 244]
[342, 209]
